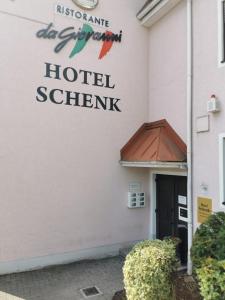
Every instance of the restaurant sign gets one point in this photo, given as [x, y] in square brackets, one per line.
[83, 16]
[80, 37]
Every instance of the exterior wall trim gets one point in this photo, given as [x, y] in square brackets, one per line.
[154, 164]
[147, 8]
[220, 34]
[36, 263]
[151, 14]
[221, 168]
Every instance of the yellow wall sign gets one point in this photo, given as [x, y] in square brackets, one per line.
[204, 209]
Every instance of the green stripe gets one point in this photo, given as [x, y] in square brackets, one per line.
[80, 44]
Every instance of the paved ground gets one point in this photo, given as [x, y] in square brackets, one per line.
[65, 282]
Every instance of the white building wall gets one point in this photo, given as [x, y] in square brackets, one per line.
[208, 80]
[167, 88]
[62, 188]
[167, 69]
[63, 192]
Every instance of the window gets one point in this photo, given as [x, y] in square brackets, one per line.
[222, 168]
[221, 25]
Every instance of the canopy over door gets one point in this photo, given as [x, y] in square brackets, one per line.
[156, 141]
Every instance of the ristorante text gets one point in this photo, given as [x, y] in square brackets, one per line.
[74, 98]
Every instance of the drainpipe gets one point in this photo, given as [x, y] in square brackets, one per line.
[189, 128]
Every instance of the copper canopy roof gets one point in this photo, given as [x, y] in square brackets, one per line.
[156, 141]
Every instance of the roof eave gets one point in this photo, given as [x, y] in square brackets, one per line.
[155, 10]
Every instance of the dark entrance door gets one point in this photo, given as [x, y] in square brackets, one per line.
[171, 192]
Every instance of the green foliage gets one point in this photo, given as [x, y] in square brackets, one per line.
[211, 278]
[147, 270]
[208, 256]
[209, 240]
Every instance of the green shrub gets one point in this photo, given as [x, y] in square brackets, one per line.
[211, 278]
[209, 240]
[147, 270]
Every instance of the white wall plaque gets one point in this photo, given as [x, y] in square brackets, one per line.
[202, 124]
[182, 200]
[183, 214]
[135, 187]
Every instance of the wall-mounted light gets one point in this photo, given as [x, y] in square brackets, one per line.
[86, 4]
[213, 105]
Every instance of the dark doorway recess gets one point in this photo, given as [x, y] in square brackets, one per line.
[171, 192]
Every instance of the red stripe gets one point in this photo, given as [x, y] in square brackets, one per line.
[107, 45]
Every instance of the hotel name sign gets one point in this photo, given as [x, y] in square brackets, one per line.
[78, 39]
[74, 98]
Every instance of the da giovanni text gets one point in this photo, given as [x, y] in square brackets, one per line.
[74, 98]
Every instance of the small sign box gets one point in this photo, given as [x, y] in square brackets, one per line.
[183, 214]
[204, 209]
[182, 200]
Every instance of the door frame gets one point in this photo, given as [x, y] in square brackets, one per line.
[152, 193]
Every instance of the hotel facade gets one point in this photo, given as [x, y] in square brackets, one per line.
[112, 126]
